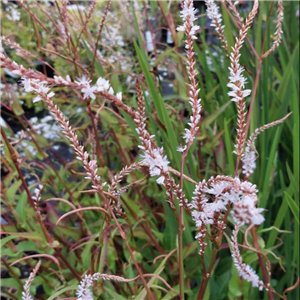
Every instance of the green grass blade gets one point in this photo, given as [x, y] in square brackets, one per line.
[293, 206]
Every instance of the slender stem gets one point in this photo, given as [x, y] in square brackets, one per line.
[98, 146]
[253, 96]
[261, 263]
[14, 157]
[180, 254]
[213, 258]
[74, 272]
[180, 230]
[256, 78]
[207, 275]
[99, 36]
[171, 25]
[123, 235]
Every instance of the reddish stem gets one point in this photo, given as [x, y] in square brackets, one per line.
[261, 263]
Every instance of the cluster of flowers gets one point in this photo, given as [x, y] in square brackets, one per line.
[158, 163]
[236, 80]
[211, 199]
[249, 161]
[212, 13]
[89, 90]
[37, 86]
[213, 196]
[188, 15]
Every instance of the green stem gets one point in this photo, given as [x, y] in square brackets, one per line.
[180, 230]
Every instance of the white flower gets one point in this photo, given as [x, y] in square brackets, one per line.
[246, 212]
[217, 188]
[160, 180]
[61, 80]
[102, 84]
[26, 82]
[201, 217]
[15, 15]
[158, 163]
[181, 148]
[247, 273]
[119, 96]
[89, 91]
[188, 136]
[83, 80]
[249, 163]
[212, 13]
[236, 79]
[37, 99]
[83, 292]
[17, 72]
[39, 87]
[110, 91]
[188, 15]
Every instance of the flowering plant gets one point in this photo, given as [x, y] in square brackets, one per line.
[102, 223]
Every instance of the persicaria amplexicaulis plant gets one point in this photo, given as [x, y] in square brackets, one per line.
[211, 211]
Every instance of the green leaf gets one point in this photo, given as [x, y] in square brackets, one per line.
[90, 54]
[60, 292]
[20, 209]
[11, 191]
[113, 294]
[293, 206]
[27, 235]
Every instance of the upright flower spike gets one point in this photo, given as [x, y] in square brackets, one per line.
[278, 31]
[153, 155]
[212, 13]
[232, 6]
[237, 81]
[188, 15]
